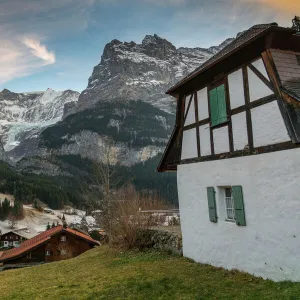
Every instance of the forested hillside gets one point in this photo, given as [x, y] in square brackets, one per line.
[57, 191]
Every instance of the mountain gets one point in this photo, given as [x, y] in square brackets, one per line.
[125, 99]
[57, 134]
[143, 72]
[23, 116]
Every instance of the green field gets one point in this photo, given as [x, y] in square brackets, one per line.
[105, 274]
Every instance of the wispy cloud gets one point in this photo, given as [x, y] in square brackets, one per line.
[21, 56]
[39, 50]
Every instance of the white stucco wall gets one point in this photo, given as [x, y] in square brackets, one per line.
[189, 144]
[236, 89]
[190, 118]
[269, 244]
[221, 140]
[202, 104]
[257, 88]
[259, 65]
[204, 140]
[267, 125]
[239, 131]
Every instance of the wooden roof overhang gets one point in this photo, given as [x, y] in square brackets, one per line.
[224, 62]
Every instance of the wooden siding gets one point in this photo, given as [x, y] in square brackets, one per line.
[73, 245]
[287, 66]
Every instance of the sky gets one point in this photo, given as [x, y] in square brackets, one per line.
[56, 43]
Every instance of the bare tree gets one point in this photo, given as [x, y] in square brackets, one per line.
[13, 220]
[116, 207]
[100, 195]
[129, 220]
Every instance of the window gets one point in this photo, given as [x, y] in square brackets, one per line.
[48, 253]
[63, 252]
[63, 238]
[217, 104]
[28, 255]
[229, 205]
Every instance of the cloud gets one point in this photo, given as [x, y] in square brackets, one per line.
[39, 50]
[21, 56]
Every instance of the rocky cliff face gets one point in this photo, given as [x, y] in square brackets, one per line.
[125, 100]
[24, 115]
[141, 71]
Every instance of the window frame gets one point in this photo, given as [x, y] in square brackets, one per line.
[47, 253]
[63, 238]
[212, 87]
[227, 200]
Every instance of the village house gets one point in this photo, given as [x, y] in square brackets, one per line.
[55, 244]
[236, 150]
[11, 239]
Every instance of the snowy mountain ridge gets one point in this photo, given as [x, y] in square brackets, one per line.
[125, 99]
[26, 114]
[142, 71]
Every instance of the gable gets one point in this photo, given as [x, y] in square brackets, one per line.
[252, 94]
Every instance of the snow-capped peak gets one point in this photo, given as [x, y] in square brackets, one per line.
[24, 113]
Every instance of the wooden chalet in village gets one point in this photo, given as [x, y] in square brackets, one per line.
[11, 239]
[236, 150]
[55, 244]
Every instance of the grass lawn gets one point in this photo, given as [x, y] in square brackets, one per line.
[104, 274]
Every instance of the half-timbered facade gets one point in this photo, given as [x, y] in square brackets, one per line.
[235, 147]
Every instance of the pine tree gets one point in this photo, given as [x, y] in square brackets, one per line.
[65, 225]
[35, 204]
[53, 225]
[6, 208]
[48, 226]
[296, 23]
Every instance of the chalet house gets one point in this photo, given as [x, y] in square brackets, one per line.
[11, 239]
[236, 150]
[55, 244]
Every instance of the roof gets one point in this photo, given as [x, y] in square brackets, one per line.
[245, 38]
[40, 239]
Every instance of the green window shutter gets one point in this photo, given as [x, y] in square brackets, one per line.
[211, 197]
[237, 195]
[217, 101]
[222, 104]
[214, 110]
